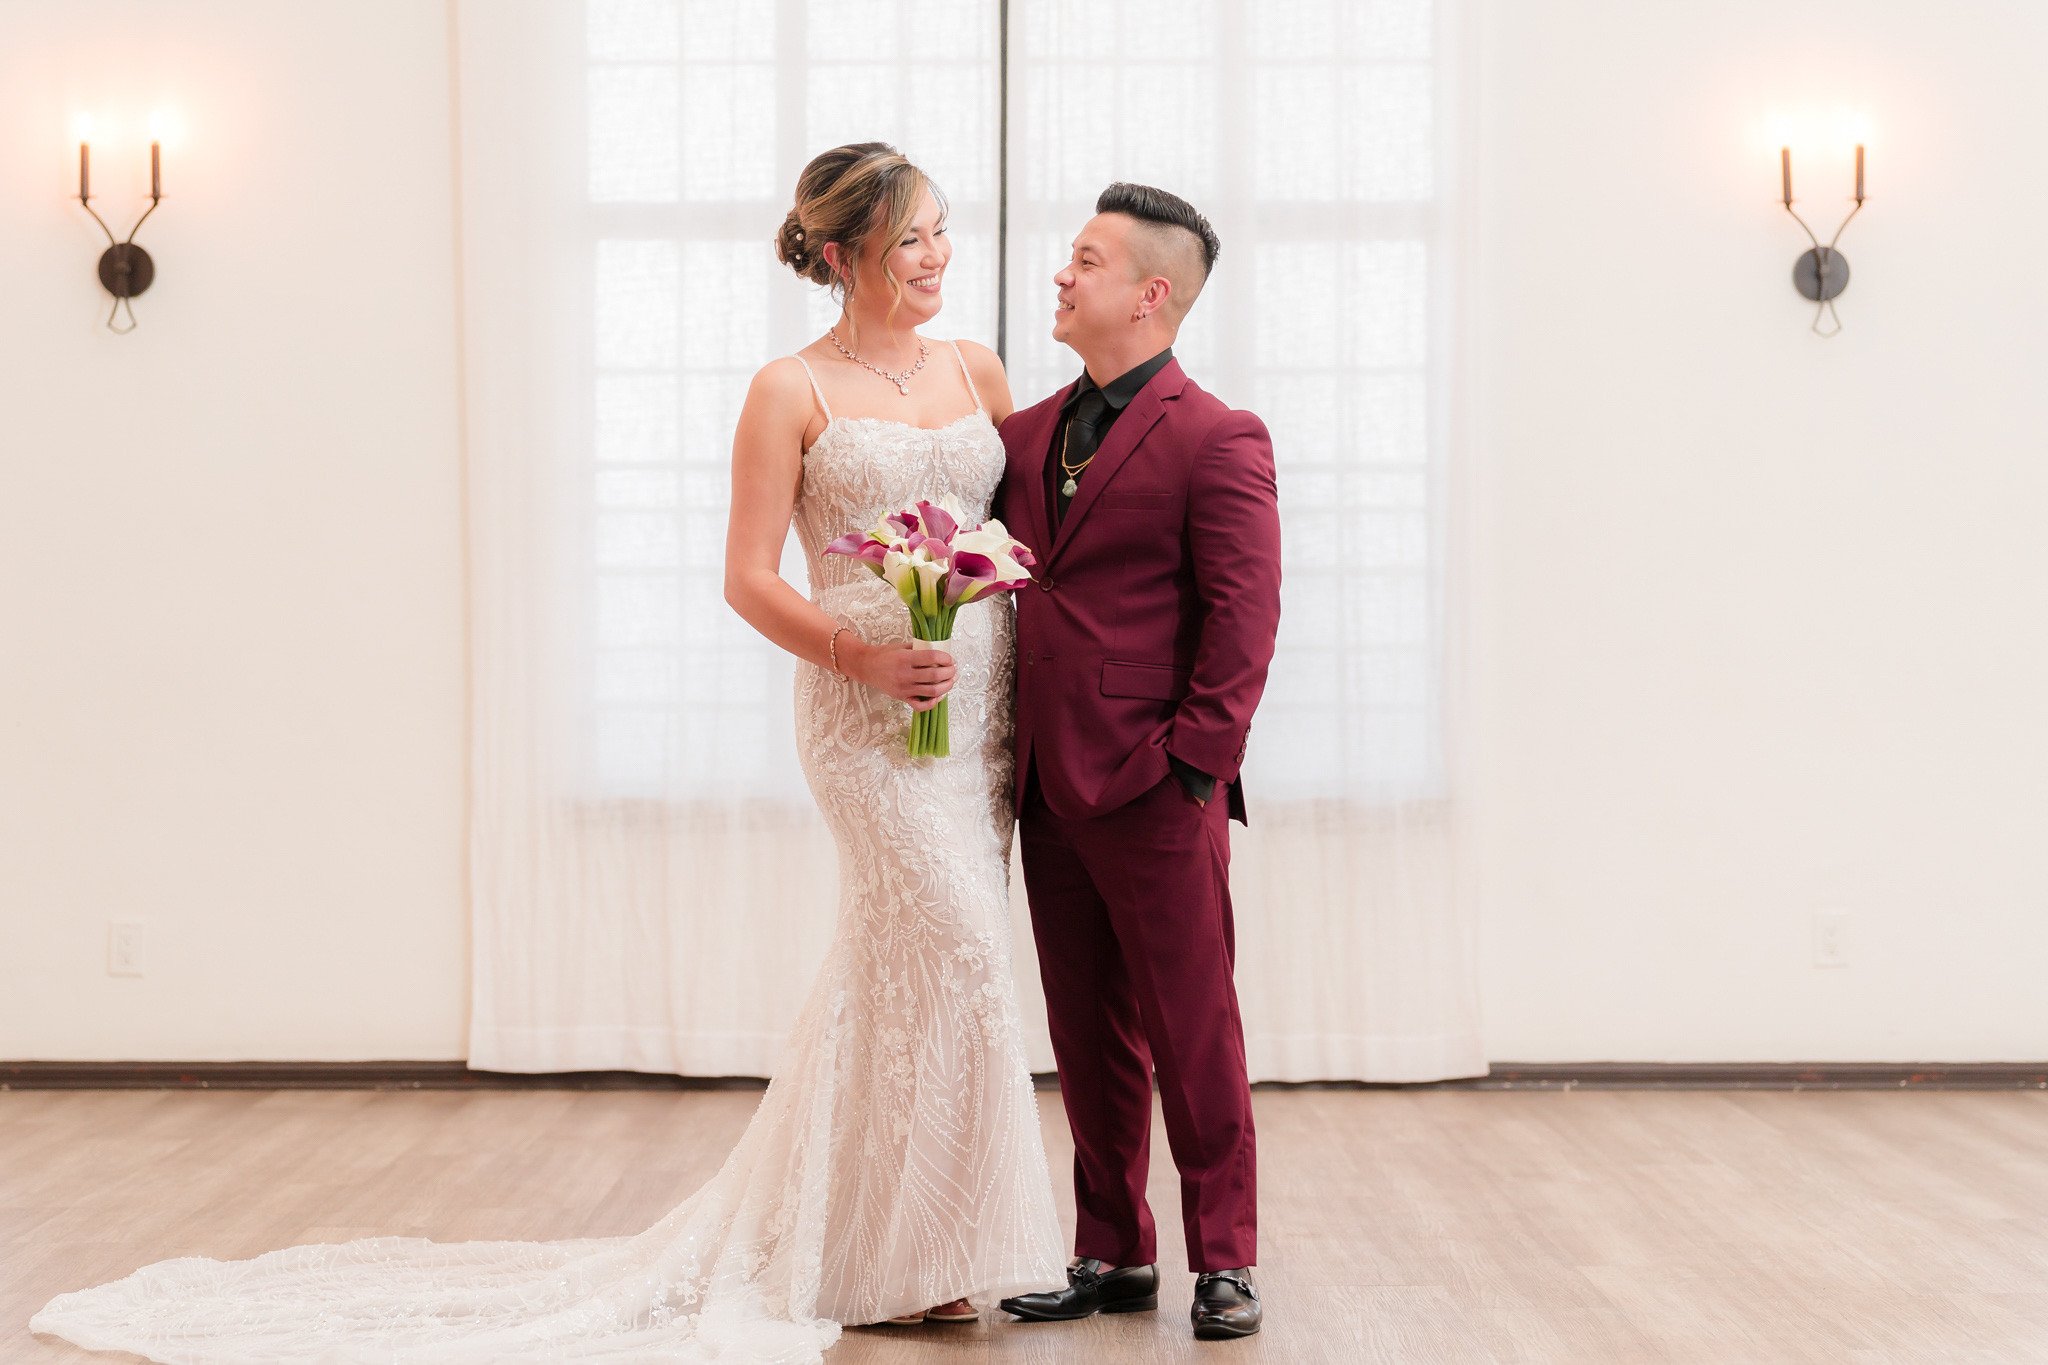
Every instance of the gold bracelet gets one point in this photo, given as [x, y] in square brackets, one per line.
[832, 649]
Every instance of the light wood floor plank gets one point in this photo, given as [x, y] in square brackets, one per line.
[1538, 1227]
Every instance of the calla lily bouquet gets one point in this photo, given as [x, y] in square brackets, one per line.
[937, 566]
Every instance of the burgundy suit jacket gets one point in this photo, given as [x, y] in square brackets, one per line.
[1150, 625]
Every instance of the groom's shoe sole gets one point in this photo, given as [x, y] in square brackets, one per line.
[1220, 1331]
[1091, 1288]
[1120, 1306]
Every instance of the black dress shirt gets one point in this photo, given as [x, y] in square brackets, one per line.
[1084, 420]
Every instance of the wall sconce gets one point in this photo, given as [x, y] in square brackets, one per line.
[1822, 273]
[125, 268]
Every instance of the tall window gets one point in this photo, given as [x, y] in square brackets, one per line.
[699, 117]
[646, 863]
[1306, 129]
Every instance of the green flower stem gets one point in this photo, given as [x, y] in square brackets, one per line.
[930, 735]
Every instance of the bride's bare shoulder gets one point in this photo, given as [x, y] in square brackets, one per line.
[989, 378]
[980, 358]
[781, 395]
[781, 380]
[781, 411]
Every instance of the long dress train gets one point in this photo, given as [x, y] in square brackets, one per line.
[895, 1161]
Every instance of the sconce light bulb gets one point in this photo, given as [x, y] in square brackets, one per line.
[166, 127]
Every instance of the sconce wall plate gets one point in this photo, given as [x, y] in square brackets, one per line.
[126, 270]
[1819, 277]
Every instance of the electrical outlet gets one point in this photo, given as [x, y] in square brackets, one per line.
[124, 947]
[1831, 938]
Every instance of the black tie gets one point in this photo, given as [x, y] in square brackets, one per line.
[1084, 435]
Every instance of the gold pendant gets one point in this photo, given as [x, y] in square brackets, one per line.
[1067, 488]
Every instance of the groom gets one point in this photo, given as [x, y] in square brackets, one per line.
[1141, 653]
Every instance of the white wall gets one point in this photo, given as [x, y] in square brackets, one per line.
[1758, 614]
[230, 554]
[1761, 615]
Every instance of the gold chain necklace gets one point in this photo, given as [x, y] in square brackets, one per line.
[1070, 470]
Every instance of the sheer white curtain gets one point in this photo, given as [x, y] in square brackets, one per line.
[652, 887]
[1315, 135]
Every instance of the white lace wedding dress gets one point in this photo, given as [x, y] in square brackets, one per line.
[895, 1161]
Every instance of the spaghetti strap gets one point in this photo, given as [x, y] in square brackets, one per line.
[822, 404]
[965, 374]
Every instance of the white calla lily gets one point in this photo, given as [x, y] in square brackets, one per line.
[930, 574]
[898, 571]
[992, 540]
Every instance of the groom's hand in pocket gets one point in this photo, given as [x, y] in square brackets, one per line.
[1199, 785]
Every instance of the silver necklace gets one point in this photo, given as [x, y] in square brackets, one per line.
[901, 381]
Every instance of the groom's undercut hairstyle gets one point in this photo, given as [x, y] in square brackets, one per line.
[1173, 239]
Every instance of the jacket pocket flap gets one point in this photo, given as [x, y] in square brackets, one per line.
[1160, 682]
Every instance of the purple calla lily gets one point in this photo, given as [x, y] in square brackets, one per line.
[938, 523]
[972, 575]
[858, 545]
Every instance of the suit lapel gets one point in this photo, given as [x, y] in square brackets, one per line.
[1037, 450]
[1124, 437]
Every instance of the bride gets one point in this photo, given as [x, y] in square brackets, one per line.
[894, 1170]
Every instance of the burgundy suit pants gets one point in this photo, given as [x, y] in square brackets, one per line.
[1131, 913]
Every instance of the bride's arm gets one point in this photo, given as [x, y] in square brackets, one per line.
[767, 470]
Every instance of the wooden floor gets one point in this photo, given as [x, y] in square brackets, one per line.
[1408, 1227]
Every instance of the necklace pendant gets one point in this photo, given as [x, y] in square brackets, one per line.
[1067, 488]
[903, 388]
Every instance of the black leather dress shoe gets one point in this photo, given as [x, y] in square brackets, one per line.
[1226, 1305]
[1092, 1287]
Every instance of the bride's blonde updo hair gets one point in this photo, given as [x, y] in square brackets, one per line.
[851, 195]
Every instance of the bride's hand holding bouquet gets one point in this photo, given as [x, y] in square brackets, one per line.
[936, 567]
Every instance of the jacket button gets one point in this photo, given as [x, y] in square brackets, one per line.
[1045, 584]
